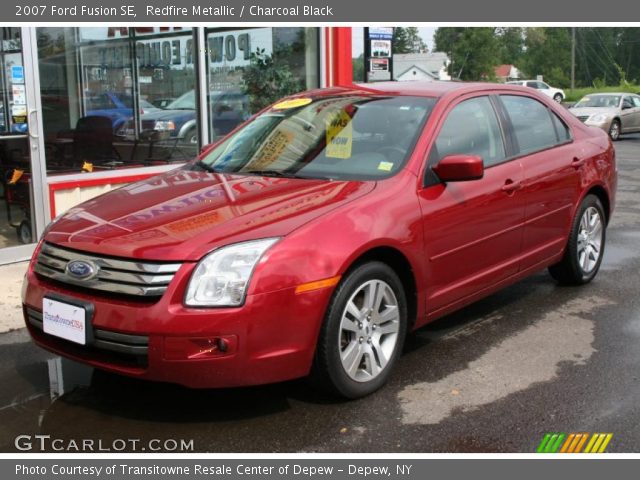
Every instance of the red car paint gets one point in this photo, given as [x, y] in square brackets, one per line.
[461, 241]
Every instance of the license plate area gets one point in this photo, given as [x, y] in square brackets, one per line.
[67, 318]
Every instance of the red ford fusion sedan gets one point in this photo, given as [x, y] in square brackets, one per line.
[311, 239]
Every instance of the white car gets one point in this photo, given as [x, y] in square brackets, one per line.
[555, 93]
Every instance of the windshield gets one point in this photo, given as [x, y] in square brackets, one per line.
[186, 101]
[345, 137]
[599, 101]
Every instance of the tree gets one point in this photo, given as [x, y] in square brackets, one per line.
[548, 53]
[269, 77]
[408, 40]
[510, 44]
[473, 51]
[358, 68]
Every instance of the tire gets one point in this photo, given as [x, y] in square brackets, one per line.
[585, 247]
[190, 137]
[615, 129]
[558, 97]
[24, 232]
[353, 358]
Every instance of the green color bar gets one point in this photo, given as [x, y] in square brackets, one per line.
[558, 443]
[544, 441]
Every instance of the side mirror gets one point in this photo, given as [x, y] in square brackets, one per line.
[626, 106]
[459, 168]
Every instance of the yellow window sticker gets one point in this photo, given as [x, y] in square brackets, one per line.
[339, 136]
[293, 103]
[272, 149]
[385, 166]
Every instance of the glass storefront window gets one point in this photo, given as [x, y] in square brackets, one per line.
[16, 226]
[247, 69]
[107, 93]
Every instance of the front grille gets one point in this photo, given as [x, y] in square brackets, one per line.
[121, 347]
[583, 118]
[128, 277]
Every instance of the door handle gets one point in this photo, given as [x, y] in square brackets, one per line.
[577, 162]
[29, 124]
[510, 186]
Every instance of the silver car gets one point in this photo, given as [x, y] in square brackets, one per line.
[615, 113]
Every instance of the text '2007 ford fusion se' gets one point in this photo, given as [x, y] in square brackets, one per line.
[313, 237]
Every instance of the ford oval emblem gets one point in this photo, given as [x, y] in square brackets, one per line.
[81, 269]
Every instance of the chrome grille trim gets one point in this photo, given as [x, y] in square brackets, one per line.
[137, 345]
[128, 277]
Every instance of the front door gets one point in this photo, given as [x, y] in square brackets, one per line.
[21, 167]
[473, 229]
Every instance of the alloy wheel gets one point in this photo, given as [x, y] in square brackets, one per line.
[369, 330]
[589, 239]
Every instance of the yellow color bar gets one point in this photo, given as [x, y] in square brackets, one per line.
[599, 441]
[318, 284]
[606, 441]
[591, 443]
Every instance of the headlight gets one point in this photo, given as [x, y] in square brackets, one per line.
[221, 279]
[599, 118]
[164, 125]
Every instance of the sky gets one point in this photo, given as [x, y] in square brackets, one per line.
[358, 38]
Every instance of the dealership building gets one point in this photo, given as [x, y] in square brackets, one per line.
[88, 109]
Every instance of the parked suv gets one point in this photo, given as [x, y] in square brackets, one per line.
[228, 110]
[556, 93]
[313, 238]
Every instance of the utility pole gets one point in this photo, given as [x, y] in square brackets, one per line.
[573, 58]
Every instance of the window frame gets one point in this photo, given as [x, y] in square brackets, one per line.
[517, 154]
[429, 178]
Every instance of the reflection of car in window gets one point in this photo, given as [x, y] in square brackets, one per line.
[227, 110]
[118, 107]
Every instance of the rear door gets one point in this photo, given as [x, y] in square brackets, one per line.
[551, 165]
[473, 229]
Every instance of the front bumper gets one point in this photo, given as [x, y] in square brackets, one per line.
[271, 338]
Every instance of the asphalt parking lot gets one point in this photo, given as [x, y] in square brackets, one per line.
[494, 377]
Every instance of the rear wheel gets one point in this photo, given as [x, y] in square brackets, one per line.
[585, 248]
[363, 333]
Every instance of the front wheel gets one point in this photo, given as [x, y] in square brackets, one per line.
[614, 130]
[585, 248]
[363, 332]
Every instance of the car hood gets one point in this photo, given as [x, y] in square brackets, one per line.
[584, 111]
[168, 114]
[184, 214]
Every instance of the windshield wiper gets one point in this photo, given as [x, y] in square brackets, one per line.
[283, 174]
[206, 167]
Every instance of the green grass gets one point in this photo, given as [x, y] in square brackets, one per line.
[577, 93]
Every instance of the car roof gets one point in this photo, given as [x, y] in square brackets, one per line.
[415, 88]
[609, 94]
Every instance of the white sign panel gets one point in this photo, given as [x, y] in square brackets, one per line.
[381, 48]
[64, 320]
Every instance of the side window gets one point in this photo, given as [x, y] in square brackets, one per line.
[532, 124]
[532, 84]
[543, 86]
[626, 103]
[564, 135]
[636, 101]
[471, 128]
